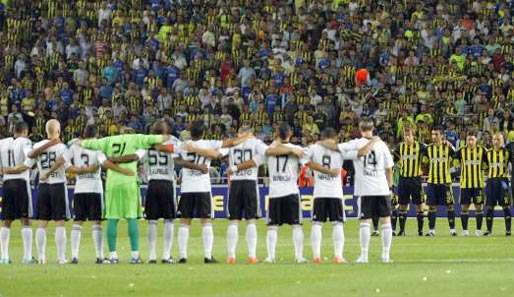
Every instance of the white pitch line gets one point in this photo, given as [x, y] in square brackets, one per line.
[457, 261]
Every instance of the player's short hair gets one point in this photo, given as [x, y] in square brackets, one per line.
[366, 124]
[52, 126]
[160, 127]
[328, 133]
[245, 128]
[197, 129]
[284, 130]
[89, 131]
[20, 126]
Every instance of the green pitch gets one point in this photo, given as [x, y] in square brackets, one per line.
[441, 266]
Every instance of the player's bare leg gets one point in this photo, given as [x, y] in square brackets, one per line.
[183, 237]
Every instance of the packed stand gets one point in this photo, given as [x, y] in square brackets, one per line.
[128, 63]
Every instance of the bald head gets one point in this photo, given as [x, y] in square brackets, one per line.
[53, 128]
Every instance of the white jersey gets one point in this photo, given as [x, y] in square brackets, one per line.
[47, 159]
[327, 186]
[81, 157]
[283, 174]
[194, 181]
[160, 165]
[13, 152]
[370, 175]
[252, 149]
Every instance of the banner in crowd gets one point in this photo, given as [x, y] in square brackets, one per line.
[220, 197]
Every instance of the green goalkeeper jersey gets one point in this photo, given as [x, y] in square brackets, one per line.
[121, 145]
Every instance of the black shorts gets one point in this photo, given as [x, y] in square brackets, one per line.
[17, 200]
[284, 210]
[374, 207]
[52, 202]
[497, 192]
[473, 195]
[87, 206]
[160, 200]
[439, 194]
[195, 205]
[243, 200]
[409, 189]
[328, 209]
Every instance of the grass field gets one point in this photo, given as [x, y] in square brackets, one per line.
[441, 266]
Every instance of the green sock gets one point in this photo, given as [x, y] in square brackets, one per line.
[112, 234]
[133, 231]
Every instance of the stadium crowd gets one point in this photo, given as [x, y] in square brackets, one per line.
[127, 63]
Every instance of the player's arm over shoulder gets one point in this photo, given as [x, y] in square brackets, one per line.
[147, 141]
[97, 144]
[279, 149]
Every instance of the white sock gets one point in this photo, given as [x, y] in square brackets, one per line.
[76, 233]
[338, 238]
[41, 243]
[316, 240]
[232, 237]
[208, 239]
[271, 241]
[60, 242]
[387, 238]
[298, 241]
[251, 240]
[364, 237]
[26, 235]
[167, 239]
[5, 233]
[183, 237]
[152, 240]
[96, 232]
[113, 255]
